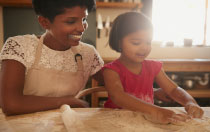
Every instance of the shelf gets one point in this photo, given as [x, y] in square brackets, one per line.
[28, 3]
[16, 3]
[118, 5]
[180, 65]
[203, 93]
[197, 93]
[186, 65]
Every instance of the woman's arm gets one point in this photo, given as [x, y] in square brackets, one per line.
[127, 101]
[178, 94]
[12, 76]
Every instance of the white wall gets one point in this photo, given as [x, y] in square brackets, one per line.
[1, 27]
[161, 52]
[180, 53]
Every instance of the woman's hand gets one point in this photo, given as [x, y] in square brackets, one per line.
[161, 95]
[194, 110]
[166, 116]
[78, 103]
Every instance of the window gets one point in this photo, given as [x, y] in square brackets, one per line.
[176, 20]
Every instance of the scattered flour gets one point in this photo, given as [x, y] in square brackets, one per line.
[128, 121]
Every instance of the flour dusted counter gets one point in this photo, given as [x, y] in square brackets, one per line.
[97, 120]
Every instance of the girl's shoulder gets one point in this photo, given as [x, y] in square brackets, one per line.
[114, 65]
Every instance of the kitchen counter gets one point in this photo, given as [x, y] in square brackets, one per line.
[98, 120]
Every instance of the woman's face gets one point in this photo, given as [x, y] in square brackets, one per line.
[136, 46]
[67, 28]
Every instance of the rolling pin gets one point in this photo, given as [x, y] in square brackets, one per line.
[70, 118]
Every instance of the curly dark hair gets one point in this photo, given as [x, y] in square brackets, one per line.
[125, 24]
[52, 8]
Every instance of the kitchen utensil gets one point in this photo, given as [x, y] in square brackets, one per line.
[205, 80]
[107, 25]
[70, 118]
[188, 42]
[188, 84]
[174, 77]
[100, 25]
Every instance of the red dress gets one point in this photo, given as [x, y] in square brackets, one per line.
[140, 86]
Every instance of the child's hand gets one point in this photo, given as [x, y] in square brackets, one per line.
[194, 110]
[166, 116]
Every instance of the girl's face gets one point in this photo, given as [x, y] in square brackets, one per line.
[67, 28]
[136, 46]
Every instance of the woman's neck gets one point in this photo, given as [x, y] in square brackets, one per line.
[54, 44]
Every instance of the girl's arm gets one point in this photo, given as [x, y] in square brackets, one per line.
[12, 100]
[161, 95]
[178, 94]
[127, 101]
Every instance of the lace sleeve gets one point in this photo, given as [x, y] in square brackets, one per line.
[13, 50]
[97, 63]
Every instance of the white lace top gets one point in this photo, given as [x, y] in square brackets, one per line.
[23, 49]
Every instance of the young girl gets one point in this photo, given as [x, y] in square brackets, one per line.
[129, 79]
[42, 73]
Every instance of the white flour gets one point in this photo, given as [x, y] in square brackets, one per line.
[128, 121]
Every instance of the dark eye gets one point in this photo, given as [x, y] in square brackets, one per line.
[135, 43]
[70, 22]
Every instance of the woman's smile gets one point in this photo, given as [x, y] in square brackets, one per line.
[75, 37]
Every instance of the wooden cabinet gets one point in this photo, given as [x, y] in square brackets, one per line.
[170, 65]
[118, 5]
[190, 65]
[180, 65]
[16, 3]
[28, 3]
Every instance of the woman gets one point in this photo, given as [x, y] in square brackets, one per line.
[42, 73]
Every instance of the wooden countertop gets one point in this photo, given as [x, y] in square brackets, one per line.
[171, 60]
[180, 65]
[98, 118]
